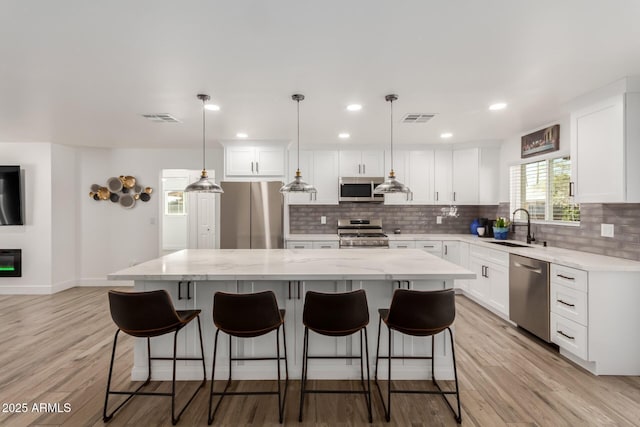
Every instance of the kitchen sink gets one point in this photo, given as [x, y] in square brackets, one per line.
[511, 245]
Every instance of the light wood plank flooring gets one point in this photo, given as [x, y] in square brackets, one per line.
[56, 348]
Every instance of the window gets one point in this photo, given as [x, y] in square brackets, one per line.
[542, 188]
[174, 202]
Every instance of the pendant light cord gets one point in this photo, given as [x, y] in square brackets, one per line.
[298, 104]
[391, 135]
[203, 133]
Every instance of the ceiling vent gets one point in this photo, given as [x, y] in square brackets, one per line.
[417, 118]
[161, 118]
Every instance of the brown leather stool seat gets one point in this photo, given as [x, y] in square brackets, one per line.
[147, 315]
[422, 314]
[248, 316]
[336, 315]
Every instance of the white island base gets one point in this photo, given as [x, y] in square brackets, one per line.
[290, 274]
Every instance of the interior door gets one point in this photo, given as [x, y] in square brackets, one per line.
[206, 208]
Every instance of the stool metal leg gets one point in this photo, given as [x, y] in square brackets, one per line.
[458, 415]
[366, 352]
[213, 373]
[305, 362]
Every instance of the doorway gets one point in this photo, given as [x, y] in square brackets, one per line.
[187, 220]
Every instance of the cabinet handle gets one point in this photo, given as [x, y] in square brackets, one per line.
[325, 247]
[428, 246]
[257, 167]
[437, 196]
[298, 247]
[571, 189]
[299, 289]
[180, 290]
[251, 167]
[454, 196]
[565, 303]
[402, 246]
[359, 169]
[566, 336]
[566, 277]
[445, 249]
[412, 196]
[364, 168]
[289, 290]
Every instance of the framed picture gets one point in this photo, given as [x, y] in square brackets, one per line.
[540, 142]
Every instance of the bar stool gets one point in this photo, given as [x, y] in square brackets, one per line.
[147, 315]
[421, 314]
[248, 316]
[336, 315]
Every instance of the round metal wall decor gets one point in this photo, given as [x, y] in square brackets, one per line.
[124, 190]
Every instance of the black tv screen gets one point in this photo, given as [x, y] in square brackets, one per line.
[10, 196]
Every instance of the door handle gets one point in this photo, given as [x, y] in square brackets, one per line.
[528, 267]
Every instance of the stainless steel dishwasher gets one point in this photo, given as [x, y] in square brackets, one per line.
[529, 294]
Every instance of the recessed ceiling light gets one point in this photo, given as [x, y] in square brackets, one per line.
[212, 107]
[497, 106]
[242, 135]
[446, 135]
[354, 107]
[343, 135]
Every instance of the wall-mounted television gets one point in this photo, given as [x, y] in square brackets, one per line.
[10, 196]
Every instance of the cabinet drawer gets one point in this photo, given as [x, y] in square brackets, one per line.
[431, 246]
[402, 244]
[571, 277]
[300, 245]
[569, 335]
[325, 245]
[569, 303]
[489, 255]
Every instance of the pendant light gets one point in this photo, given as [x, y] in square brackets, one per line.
[204, 184]
[298, 185]
[391, 184]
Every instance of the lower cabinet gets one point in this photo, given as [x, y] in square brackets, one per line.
[312, 244]
[491, 288]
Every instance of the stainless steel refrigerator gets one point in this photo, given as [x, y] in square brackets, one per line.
[251, 215]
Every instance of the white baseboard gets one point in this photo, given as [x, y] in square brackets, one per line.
[102, 282]
[25, 290]
[62, 286]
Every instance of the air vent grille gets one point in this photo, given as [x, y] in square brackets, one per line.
[417, 118]
[161, 118]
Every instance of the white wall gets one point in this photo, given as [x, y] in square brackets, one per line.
[64, 217]
[34, 238]
[111, 237]
[510, 152]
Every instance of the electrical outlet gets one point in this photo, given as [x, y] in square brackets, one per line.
[438, 219]
[323, 219]
[606, 230]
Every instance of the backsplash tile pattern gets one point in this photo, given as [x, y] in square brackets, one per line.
[586, 237]
[408, 218]
[422, 219]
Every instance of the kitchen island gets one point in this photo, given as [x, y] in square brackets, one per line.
[192, 277]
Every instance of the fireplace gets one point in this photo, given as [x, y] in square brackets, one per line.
[10, 263]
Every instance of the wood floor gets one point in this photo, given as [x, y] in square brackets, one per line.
[56, 348]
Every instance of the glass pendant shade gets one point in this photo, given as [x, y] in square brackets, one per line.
[391, 184]
[204, 184]
[298, 185]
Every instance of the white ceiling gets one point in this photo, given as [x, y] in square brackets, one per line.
[81, 72]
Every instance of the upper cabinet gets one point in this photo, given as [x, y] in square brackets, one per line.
[362, 163]
[456, 176]
[319, 168]
[605, 150]
[414, 168]
[254, 161]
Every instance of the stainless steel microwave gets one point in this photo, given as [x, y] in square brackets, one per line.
[359, 189]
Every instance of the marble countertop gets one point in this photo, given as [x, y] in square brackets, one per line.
[295, 264]
[570, 258]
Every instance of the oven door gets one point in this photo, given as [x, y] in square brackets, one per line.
[359, 189]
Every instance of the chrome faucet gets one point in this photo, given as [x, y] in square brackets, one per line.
[514, 225]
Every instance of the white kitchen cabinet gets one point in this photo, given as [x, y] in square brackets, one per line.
[491, 287]
[402, 244]
[312, 244]
[451, 251]
[434, 247]
[325, 244]
[414, 168]
[463, 261]
[254, 161]
[489, 176]
[319, 168]
[362, 163]
[298, 244]
[605, 150]
[456, 174]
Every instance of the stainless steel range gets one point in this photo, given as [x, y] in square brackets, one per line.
[362, 233]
